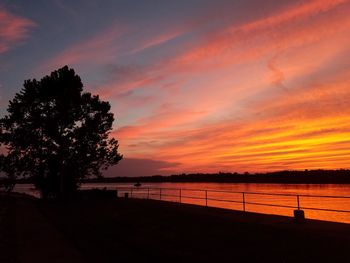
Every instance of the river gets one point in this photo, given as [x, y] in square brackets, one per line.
[232, 193]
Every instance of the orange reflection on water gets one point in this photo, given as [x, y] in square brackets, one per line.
[230, 196]
[256, 197]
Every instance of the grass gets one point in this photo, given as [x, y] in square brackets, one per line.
[149, 231]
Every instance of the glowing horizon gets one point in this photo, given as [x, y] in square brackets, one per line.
[224, 86]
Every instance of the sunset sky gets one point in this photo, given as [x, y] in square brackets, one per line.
[197, 85]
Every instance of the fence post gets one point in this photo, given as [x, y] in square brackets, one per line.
[243, 199]
[180, 196]
[299, 215]
[131, 192]
[206, 197]
[298, 202]
[160, 194]
[147, 193]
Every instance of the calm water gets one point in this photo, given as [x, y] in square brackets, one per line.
[190, 194]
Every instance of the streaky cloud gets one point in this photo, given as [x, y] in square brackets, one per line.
[14, 30]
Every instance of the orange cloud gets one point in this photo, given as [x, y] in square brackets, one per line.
[293, 107]
[268, 94]
[287, 139]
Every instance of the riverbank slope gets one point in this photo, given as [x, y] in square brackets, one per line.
[146, 230]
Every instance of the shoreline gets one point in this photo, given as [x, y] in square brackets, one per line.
[196, 182]
[340, 176]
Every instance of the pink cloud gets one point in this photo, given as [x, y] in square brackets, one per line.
[13, 30]
[96, 50]
[295, 26]
[293, 13]
[158, 40]
[306, 121]
[245, 97]
[237, 44]
[107, 46]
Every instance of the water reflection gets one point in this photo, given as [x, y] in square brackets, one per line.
[190, 194]
[253, 201]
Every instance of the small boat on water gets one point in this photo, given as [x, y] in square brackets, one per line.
[137, 184]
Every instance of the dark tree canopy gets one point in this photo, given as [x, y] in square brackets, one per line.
[57, 134]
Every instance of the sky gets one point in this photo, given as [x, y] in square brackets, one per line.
[197, 85]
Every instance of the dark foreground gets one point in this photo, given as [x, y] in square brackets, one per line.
[152, 231]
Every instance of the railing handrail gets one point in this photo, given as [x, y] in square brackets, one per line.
[236, 192]
[162, 192]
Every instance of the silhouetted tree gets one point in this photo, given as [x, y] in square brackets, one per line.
[57, 134]
[7, 183]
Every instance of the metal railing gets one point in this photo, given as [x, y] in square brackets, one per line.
[207, 196]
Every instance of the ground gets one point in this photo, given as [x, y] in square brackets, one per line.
[152, 231]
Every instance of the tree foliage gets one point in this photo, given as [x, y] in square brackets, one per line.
[57, 134]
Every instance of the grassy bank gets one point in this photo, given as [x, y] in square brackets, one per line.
[145, 231]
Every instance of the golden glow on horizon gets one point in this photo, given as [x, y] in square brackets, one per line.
[323, 143]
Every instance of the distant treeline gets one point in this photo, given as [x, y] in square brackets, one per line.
[281, 177]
